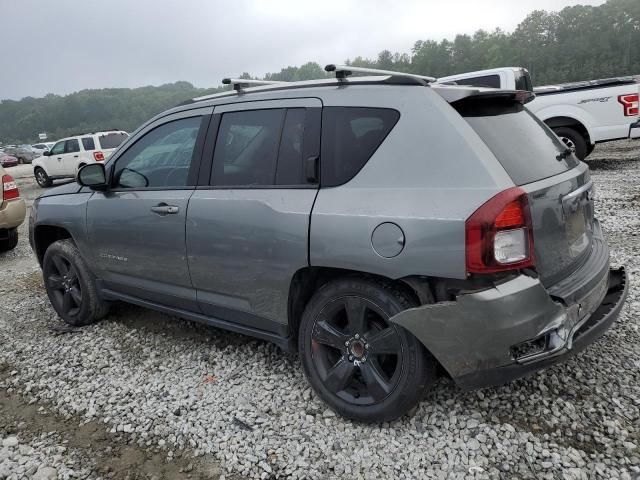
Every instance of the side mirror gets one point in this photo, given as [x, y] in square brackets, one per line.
[46, 153]
[93, 176]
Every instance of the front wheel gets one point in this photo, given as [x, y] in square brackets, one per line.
[70, 285]
[363, 366]
[42, 178]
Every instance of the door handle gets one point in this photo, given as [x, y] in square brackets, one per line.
[164, 209]
[75, 156]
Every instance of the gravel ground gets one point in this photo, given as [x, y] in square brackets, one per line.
[143, 395]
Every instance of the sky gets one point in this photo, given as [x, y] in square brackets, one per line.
[62, 46]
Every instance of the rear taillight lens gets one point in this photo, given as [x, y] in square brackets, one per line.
[630, 104]
[99, 156]
[499, 235]
[9, 188]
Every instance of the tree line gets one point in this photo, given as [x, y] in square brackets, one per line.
[576, 43]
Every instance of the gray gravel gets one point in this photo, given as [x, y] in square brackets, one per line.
[184, 390]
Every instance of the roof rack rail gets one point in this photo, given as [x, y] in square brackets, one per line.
[343, 71]
[238, 84]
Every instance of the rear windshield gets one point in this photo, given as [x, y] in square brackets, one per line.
[112, 140]
[523, 80]
[527, 149]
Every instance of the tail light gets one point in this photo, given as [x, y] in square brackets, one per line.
[99, 156]
[9, 188]
[630, 104]
[499, 235]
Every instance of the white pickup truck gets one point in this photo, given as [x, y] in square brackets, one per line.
[581, 114]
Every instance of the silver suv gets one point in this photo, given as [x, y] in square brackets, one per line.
[387, 229]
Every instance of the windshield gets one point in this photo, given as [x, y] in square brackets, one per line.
[527, 149]
[112, 140]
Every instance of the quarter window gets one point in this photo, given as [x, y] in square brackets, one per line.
[350, 136]
[161, 158]
[88, 143]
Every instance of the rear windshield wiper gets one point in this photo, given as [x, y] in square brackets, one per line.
[564, 154]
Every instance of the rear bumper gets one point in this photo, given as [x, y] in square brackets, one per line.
[515, 328]
[634, 130]
[12, 213]
[587, 331]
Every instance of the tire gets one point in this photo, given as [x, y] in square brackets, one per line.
[71, 286]
[376, 375]
[11, 241]
[42, 178]
[574, 140]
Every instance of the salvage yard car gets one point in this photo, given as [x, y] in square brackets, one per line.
[12, 211]
[69, 154]
[388, 229]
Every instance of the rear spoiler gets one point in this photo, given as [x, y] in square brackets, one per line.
[453, 94]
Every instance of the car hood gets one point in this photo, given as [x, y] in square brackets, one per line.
[66, 189]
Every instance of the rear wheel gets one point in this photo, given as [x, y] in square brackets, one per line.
[42, 178]
[364, 367]
[8, 239]
[573, 139]
[70, 285]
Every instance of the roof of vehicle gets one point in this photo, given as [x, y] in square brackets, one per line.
[86, 134]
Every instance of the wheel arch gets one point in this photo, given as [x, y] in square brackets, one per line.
[45, 235]
[39, 165]
[308, 280]
[570, 122]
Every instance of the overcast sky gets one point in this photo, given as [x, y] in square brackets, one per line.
[62, 46]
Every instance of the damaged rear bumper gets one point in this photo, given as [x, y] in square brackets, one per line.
[513, 329]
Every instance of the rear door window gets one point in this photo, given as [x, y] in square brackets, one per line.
[289, 164]
[247, 148]
[350, 136]
[527, 149]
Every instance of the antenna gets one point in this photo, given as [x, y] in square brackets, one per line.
[343, 71]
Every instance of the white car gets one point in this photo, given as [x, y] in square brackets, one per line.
[69, 154]
[581, 113]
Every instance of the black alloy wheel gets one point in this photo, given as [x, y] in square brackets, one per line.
[355, 351]
[63, 283]
[364, 366]
[71, 286]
